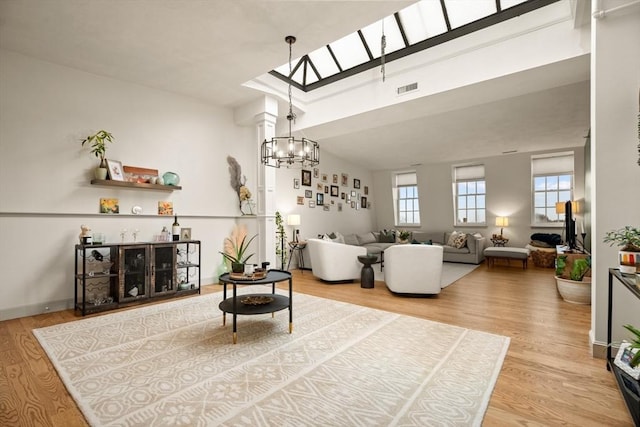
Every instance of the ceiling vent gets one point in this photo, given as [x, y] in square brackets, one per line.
[408, 88]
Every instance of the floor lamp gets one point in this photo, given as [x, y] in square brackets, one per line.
[294, 220]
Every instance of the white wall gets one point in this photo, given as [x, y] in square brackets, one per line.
[508, 181]
[615, 71]
[45, 195]
[316, 220]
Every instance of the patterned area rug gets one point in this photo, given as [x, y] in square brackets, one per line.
[451, 272]
[344, 365]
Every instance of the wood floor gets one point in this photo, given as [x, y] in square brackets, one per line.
[548, 377]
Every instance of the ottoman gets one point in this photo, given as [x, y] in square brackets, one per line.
[493, 253]
[543, 257]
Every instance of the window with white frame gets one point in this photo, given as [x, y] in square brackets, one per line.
[407, 206]
[470, 191]
[552, 183]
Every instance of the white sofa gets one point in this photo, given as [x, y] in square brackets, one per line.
[413, 269]
[335, 262]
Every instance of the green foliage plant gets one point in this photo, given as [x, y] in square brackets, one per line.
[580, 268]
[404, 235]
[628, 237]
[98, 142]
[237, 253]
[634, 344]
[282, 234]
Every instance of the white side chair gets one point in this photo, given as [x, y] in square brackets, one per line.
[335, 262]
[413, 269]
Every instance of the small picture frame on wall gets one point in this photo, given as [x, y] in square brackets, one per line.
[319, 187]
[185, 233]
[296, 183]
[345, 180]
[316, 172]
[319, 199]
[308, 194]
[326, 189]
[325, 178]
[342, 196]
[339, 207]
[312, 204]
[115, 170]
[300, 200]
[353, 193]
[306, 178]
[335, 178]
[334, 191]
[366, 190]
[356, 183]
[363, 202]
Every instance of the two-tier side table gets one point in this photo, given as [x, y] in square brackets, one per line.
[257, 303]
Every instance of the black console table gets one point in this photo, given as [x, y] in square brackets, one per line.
[235, 306]
[629, 387]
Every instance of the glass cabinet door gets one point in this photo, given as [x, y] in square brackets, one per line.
[163, 269]
[134, 274]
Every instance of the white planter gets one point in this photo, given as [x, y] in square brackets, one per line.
[101, 173]
[575, 292]
[629, 262]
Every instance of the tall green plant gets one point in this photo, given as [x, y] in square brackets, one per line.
[628, 237]
[281, 253]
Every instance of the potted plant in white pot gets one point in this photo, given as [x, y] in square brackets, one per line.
[98, 142]
[573, 278]
[628, 238]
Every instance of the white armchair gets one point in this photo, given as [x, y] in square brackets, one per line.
[413, 269]
[335, 262]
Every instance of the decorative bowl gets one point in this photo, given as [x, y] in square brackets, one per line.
[171, 178]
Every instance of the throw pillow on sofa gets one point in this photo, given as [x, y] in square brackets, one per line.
[457, 240]
[366, 238]
[452, 239]
[387, 237]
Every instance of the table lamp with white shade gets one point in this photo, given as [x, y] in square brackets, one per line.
[294, 220]
[502, 221]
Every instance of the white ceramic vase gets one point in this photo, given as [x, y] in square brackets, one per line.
[573, 291]
[101, 173]
[629, 262]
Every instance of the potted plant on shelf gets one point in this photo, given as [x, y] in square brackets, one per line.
[235, 248]
[98, 142]
[628, 357]
[573, 277]
[628, 238]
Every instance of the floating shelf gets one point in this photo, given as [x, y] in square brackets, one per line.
[137, 185]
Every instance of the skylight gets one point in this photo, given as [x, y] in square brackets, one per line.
[417, 27]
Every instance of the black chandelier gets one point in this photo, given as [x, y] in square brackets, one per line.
[286, 150]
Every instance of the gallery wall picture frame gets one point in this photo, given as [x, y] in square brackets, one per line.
[363, 202]
[353, 193]
[308, 194]
[319, 199]
[342, 196]
[312, 204]
[339, 206]
[325, 207]
[345, 180]
[356, 183]
[306, 177]
[357, 206]
[325, 178]
[165, 208]
[334, 191]
[296, 183]
[319, 186]
[185, 233]
[366, 190]
[353, 204]
[316, 172]
[109, 206]
[300, 200]
[335, 178]
[115, 170]
[326, 189]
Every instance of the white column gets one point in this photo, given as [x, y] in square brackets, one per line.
[265, 123]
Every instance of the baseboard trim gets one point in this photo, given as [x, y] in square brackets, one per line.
[35, 309]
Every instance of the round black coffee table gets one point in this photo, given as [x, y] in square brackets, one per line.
[366, 275]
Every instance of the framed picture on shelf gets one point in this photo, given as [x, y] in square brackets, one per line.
[165, 208]
[356, 183]
[185, 233]
[115, 170]
[334, 191]
[296, 183]
[109, 206]
[623, 360]
[306, 178]
[319, 199]
[308, 194]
